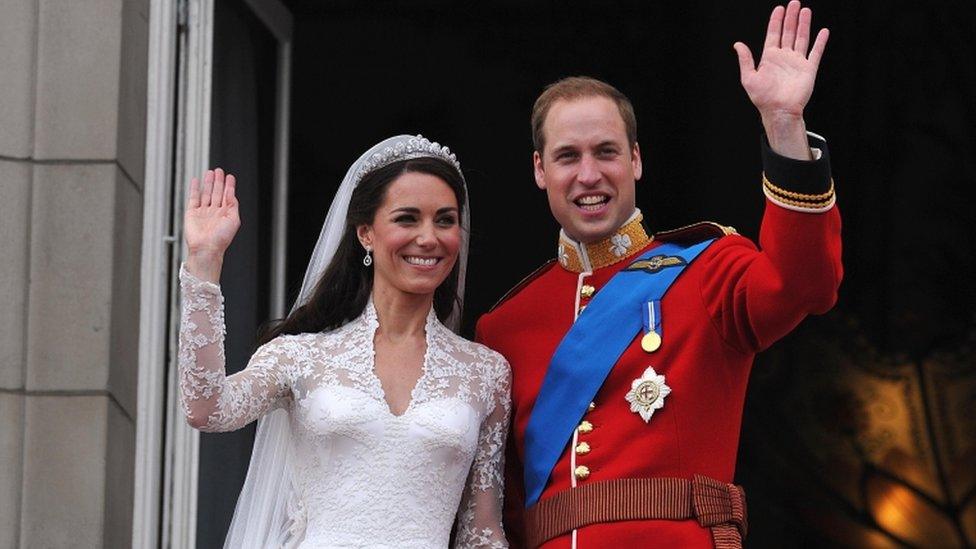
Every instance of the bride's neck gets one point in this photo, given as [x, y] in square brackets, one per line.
[401, 314]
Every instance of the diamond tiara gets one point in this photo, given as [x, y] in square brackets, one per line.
[415, 147]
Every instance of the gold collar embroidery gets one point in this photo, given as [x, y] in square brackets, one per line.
[578, 258]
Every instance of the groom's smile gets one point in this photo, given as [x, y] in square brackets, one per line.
[592, 203]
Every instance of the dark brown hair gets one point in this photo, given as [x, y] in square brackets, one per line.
[343, 291]
[579, 87]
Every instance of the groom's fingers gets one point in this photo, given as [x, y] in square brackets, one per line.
[818, 46]
[746, 63]
[803, 31]
[789, 25]
[775, 29]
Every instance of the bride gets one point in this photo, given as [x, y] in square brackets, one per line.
[378, 425]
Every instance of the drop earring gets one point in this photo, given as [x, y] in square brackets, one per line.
[368, 258]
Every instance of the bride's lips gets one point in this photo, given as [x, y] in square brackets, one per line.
[421, 262]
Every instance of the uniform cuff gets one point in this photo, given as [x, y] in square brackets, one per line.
[801, 185]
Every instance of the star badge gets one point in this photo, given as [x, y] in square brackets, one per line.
[647, 394]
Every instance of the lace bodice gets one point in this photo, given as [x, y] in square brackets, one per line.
[363, 476]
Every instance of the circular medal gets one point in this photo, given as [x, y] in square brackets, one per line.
[651, 342]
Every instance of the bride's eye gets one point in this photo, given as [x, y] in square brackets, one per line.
[404, 219]
[447, 220]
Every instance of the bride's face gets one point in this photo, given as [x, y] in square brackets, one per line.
[415, 235]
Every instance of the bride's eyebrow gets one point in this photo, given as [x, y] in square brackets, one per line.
[413, 210]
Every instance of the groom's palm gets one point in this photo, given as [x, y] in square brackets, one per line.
[783, 82]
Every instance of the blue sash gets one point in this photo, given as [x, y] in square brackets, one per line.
[588, 352]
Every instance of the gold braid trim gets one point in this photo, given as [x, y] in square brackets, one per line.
[779, 191]
[806, 205]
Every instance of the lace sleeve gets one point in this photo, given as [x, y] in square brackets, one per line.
[480, 516]
[213, 401]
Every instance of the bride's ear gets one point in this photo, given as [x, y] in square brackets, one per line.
[365, 235]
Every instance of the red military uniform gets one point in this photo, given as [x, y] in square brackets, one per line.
[731, 302]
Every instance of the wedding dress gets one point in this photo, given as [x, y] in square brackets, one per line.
[360, 475]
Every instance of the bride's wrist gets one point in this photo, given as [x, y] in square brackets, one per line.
[205, 265]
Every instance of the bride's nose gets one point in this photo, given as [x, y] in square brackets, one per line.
[425, 237]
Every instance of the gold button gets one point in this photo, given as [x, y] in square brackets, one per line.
[582, 448]
[587, 290]
[591, 406]
[585, 426]
[582, 472]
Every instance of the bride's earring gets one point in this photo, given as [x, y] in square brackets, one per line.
[368, 258]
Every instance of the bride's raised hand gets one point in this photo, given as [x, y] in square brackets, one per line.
[210, 222]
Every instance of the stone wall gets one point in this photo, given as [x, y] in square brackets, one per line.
[72, 148]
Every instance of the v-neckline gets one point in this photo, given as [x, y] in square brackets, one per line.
[372, 325]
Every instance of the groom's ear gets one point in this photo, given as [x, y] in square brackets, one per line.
[365, 235]
[636, 163]
[539, 170]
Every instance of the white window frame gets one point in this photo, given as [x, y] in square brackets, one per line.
[166, 467]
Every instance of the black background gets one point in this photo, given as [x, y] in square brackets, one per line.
[894, 97]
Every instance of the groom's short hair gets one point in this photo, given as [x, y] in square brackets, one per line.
[579, 87]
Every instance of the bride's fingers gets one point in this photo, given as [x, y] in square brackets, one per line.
[229, 199]
[207, 188]
[194, 199]
[217, 198]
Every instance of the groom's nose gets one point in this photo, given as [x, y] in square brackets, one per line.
[589, 170]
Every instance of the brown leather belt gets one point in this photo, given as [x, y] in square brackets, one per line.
[719, 506]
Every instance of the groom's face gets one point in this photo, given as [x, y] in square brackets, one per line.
[588, 167]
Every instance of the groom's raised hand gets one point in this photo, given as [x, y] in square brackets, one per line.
[782, 84]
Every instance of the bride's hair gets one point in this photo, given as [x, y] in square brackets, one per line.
[343, 291]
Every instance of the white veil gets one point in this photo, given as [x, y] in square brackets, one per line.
[269, 513]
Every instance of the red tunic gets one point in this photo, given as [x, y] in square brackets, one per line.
[730, 303]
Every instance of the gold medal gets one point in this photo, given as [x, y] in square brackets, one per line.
[651, 342]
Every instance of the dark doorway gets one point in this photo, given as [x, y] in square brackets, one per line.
[242, 141]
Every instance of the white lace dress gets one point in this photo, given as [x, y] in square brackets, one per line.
[364, 476]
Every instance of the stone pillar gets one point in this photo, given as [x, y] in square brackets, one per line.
[72, 110]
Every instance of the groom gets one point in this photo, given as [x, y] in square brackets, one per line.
[631, 352]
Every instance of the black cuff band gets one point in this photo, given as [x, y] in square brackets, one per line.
[807, 177]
